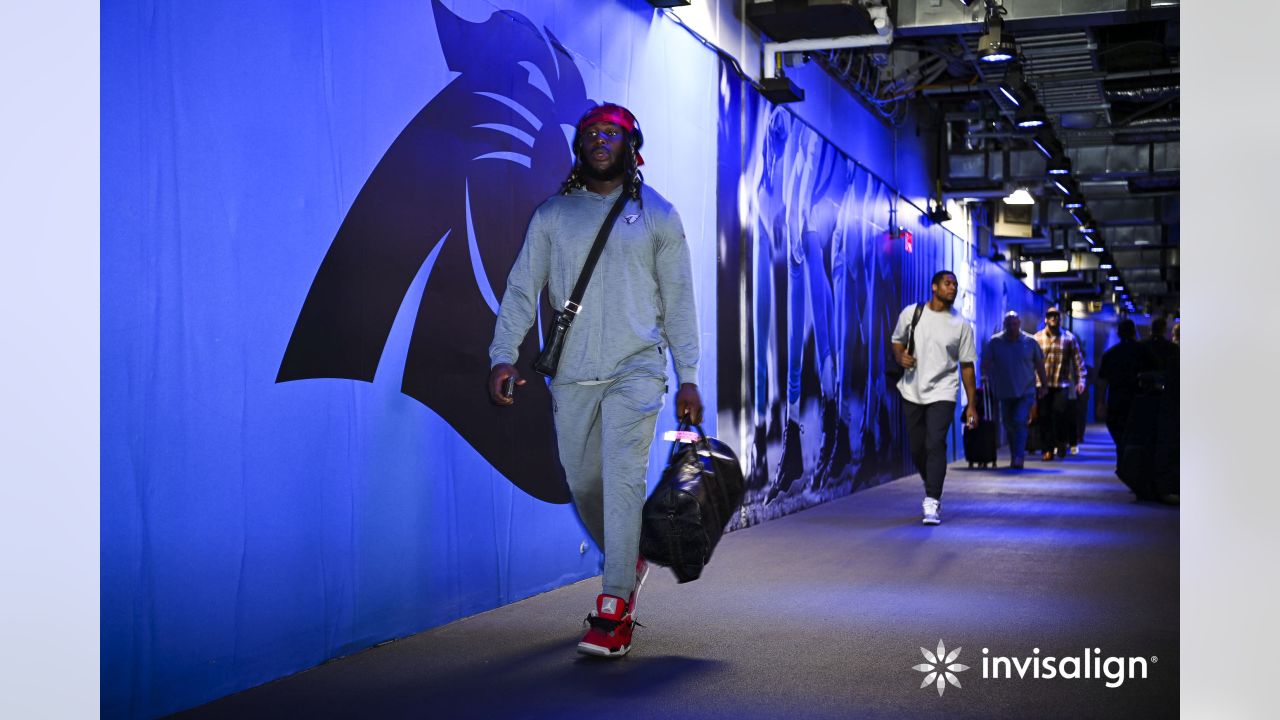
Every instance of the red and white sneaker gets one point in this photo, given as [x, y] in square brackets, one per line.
[642, 572]
[610, 627]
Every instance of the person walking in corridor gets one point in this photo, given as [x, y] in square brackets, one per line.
[611, 379]
[1064, 371]
[930, 342]
[1012, 363]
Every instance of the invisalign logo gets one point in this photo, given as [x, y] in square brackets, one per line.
[941, 668]
[1092, 666]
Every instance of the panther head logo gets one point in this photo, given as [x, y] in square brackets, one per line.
[454, 189]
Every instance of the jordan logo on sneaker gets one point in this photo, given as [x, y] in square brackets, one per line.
[628, 219]
[609, 606]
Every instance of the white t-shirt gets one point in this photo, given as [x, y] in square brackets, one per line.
[943, 341]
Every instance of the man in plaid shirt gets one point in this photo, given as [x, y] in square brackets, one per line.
[1064, 370]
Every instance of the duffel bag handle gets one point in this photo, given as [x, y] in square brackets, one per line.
[685, 424]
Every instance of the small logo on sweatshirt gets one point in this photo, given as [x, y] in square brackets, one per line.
[628, 219]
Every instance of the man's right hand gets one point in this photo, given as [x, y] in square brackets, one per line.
[497, 376]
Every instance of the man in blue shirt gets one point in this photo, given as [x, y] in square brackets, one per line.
[1011, 362]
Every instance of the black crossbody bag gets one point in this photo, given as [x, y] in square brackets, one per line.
[893, 369]
[549, 358]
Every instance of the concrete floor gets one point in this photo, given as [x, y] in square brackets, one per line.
[823, 614]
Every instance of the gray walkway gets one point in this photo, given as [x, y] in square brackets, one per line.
[822, 614]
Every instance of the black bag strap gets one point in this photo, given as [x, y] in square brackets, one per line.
[573, 304]
[911, 336]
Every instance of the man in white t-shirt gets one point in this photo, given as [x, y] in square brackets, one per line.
[940, 341]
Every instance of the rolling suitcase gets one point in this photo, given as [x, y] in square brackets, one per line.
[683, 519]
[980, 443]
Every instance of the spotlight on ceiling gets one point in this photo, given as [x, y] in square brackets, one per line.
[996, 45]
[1020, 197]
[1014, 88]
[1060, 165]
[1030, 115]
[1047, 144]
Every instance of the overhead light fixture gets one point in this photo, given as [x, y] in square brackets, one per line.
[1113, 278]
[1119, 287]
[1014, 88]
[1047, 144]
[996, 45]
[1097, 249]
[1060, 165]
[1105, 266]
[1020, 197]
[1030, 115]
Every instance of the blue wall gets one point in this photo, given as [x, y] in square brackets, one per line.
[253, 528]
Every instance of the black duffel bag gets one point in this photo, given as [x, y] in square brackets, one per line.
[683, 519]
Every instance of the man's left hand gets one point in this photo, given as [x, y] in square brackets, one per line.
[689, 402]
[971, 417]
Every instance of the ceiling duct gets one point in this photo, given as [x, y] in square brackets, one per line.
[931, 17]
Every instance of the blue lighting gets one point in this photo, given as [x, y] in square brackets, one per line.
[1073, 204]
[1013, 98]
[996, 57]
[1059, 171]
[1041, 147]
[1030, 123]
[1097, 249]
[1105, 266]
[1064, 190]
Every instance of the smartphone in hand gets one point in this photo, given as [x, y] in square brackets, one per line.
[509, 387]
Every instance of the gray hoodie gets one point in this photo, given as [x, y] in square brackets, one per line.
[639, 301]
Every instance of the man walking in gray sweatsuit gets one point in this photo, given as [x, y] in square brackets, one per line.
[611, 380]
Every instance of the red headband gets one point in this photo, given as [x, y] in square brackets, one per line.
[615, 114]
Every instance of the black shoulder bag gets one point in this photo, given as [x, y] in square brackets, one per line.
[893, 369]
[549, 358]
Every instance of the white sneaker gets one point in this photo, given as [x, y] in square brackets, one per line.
[931, 514]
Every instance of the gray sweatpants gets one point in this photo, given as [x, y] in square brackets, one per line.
[604, 433]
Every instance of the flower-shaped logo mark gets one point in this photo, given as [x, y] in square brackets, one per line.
[941, 668]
